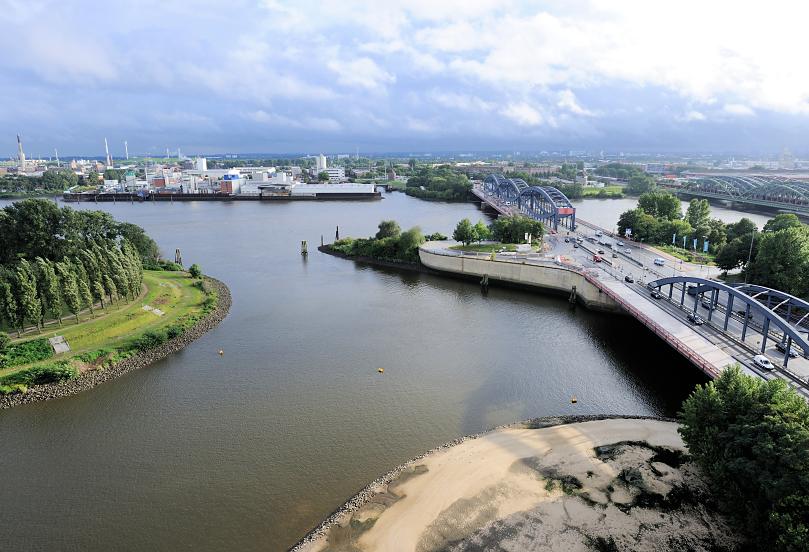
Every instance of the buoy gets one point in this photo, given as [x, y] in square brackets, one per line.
[573, 399]
[380, 370]
[221, 352]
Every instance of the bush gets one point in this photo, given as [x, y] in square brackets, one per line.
[435, 236]
[39, 375]
[174, 330]
[195, 271]
[91, 356]
[161, 264]
[149, 340]
[28, 351]
[751, 438]
[5, 340]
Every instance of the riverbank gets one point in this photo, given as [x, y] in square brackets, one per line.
[89, 379]
[566, 483]
[401, 265]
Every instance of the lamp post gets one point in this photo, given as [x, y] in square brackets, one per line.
[749, 256]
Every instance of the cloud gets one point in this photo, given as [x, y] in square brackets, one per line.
[523, 114]
[738, 109]
[388, 74]
[363, 72]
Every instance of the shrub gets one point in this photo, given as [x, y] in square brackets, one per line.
[92, 356]
[5, 340]
[161, 264]
[195, 271]
[435, 236]
[751, 438]
[38, 375]
[149, 340]
[174, 330]
[28, 351]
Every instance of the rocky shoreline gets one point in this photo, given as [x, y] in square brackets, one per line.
[92, 378]
[369, 491]
[410, 267]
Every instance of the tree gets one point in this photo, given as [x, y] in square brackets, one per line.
[660, 205]
[195, 271]
[409, 242]
[698, 213]
[323, 176]
[27, 297]
[743, 227]
[644, 226]
[751, 438]
[70, 287]
[513, 228]
[98, 292]
[12, 312]
[735, 252]
[717, 234]
[482, 231]
[464, 232]
[109, 287]
[640, 184]
[49, 289]
[388, 229]
[782, 261]
[134, 234]
[781, 222]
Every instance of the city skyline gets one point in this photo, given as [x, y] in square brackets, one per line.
[407, 76]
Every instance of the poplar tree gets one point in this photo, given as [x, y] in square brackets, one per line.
[98, 293]
[109, 287]
[27, 295]
[9, 309]
[70, 288]
[83, 282]
[49, 290]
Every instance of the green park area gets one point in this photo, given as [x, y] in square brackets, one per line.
[173, 302]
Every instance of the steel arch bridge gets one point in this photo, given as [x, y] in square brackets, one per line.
[543, 203]
[746, 296]
[752, 188]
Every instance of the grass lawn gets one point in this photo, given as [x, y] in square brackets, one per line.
[171, 292]
[489, 247]
[688, 256]
[609, 191]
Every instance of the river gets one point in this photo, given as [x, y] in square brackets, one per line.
[249, 450]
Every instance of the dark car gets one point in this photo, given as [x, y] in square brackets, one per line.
[629, 279]
[783, 348]
[576, 245]
[567, 240]
[706, 303]
[695, 320]
[656, 295]
[742, 313]
[600, 251]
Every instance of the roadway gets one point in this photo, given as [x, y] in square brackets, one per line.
[637, 260]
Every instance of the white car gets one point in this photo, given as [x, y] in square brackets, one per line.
[763, 362]
[621, 244]
[628, 251]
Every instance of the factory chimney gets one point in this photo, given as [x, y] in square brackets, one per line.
[21, 153]
[107, 150]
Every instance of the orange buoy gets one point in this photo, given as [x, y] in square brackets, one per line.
[380, 370]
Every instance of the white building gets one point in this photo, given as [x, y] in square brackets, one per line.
[201, 164]
[336, 174]
[320, 163]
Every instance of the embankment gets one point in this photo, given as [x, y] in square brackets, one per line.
[92, 378]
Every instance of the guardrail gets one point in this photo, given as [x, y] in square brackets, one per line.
[700, 362]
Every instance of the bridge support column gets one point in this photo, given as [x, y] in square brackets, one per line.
[764, 334]
[728, 313]
[696, 301]
[788, 349]
[746, 320]
[671, 290]
[682, 298]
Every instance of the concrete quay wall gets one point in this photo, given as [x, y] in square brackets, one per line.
[547, 276]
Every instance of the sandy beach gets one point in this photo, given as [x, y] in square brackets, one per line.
[614, 484]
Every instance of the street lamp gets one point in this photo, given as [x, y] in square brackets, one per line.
[749, 256]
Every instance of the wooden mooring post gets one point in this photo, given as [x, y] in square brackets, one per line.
[304, 248]
[484, 284]
[572, 298]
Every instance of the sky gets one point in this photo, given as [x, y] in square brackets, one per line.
[215, 76]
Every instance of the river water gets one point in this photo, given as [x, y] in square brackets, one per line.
[249, 450]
